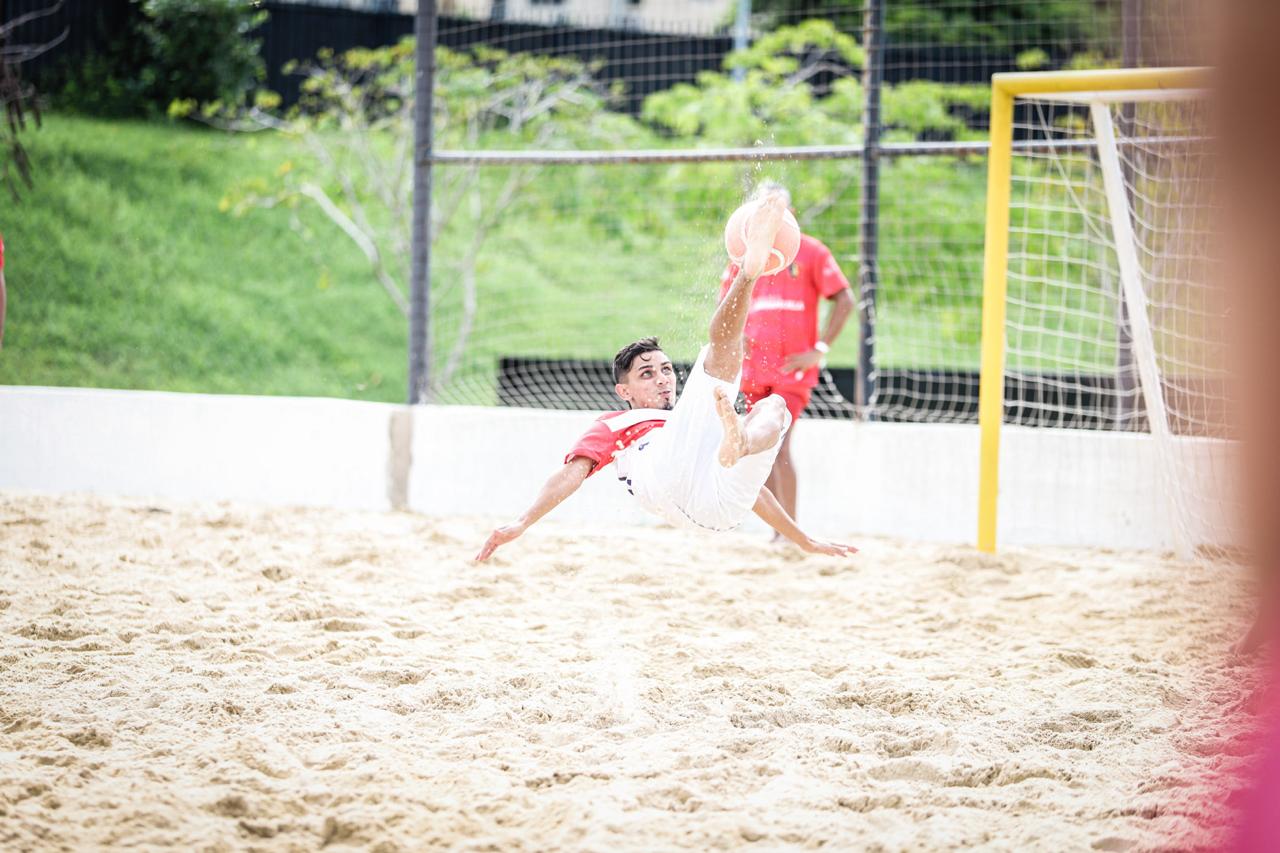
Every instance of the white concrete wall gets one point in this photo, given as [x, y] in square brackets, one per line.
[913, 481]
[492, 461]
[272, 450]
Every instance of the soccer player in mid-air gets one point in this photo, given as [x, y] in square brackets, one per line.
[784, 352]
[691, 461]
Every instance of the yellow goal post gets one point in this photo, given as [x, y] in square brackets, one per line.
[1095, 93]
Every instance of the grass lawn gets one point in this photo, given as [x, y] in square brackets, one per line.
[124, 273]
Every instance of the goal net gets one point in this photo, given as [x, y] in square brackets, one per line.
[1113, 321]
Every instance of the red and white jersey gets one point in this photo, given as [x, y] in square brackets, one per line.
[614, 436]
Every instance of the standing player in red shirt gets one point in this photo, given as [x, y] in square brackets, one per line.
[692, 460]
[784, 351]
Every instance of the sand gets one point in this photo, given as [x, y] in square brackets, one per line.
[229, 677]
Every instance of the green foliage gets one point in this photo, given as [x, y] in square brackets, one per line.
[1032, 60]
[786, 50]
[355, 121]
[1089, 60]
[994, 26]
[282, 303]
[776, 102]
[292, 310]
[202, 49]
[1001, 26]
[109, 83]
[922, 109]
[190, 51]
[122, 274]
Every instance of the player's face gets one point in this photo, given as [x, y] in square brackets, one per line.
[651, 382]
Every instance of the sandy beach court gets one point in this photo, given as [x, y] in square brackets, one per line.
[217, 677]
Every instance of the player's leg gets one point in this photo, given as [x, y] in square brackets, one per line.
[724, 356]
[757, 432]
[766, 423]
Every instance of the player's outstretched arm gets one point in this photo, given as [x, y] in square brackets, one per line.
[559, 486]
[768, 508]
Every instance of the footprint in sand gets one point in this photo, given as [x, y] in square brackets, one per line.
[276, 573]
[89, 738]
[344, 625]
[1076, 660]
[56, 631]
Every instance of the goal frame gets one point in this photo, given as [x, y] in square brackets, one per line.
[1096, 89]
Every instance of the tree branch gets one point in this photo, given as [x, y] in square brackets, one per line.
[361, 239]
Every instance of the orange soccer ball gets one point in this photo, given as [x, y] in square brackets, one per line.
[785, 245]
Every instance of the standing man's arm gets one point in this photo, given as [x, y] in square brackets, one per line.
[842, 306]
[559, 486]
[834, 286]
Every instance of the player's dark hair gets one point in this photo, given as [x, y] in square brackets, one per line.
[627, 355]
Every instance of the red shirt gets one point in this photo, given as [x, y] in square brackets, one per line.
[614, 432]
[1, 253]
[783, 319]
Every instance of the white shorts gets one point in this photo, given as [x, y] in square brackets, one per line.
[679, 476]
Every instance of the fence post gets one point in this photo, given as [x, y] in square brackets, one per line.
[742, 34]
[1126, 367]
[869, 211]
[420, 288]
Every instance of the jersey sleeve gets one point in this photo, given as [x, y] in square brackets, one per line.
[1, 253]
[830, 280]
[596, 444]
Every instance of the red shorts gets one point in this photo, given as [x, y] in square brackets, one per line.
[795, 396]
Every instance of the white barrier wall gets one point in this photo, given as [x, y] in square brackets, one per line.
[912, 481]
[273, 450]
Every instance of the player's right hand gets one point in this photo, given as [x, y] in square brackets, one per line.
[833, 549]
[501, 536]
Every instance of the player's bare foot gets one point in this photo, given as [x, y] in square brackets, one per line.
[734, 444]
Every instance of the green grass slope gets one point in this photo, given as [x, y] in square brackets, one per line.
[123, 273]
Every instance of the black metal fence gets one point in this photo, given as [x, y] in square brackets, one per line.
[79, 27]
[643, 62]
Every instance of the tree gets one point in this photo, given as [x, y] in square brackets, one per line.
[996, 26]
[201, 49]
[355, 121]
[18, 99]
[801, 86]
[166, 50]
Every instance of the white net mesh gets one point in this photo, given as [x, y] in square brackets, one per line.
[1085, 351]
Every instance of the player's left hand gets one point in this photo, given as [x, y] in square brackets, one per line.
[799, 362]
[833, 549]
[501, 536]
